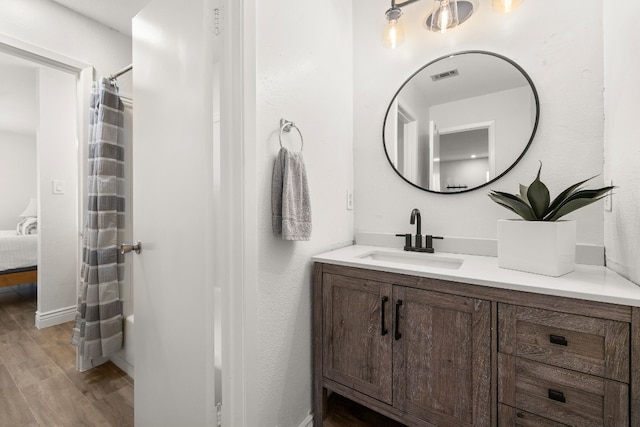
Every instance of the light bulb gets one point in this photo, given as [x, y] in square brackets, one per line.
[444, 15]
[394, 32]
[505, 6]
[445, 18]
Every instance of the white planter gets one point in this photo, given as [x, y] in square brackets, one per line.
[540, 247]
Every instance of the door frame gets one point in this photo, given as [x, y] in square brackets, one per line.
[410, 154]
[490, 126]
[84, 78]
[235, 219]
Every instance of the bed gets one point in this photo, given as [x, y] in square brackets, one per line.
[18, 258]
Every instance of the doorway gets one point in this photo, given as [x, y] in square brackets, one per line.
[54, 127]
[466, 156]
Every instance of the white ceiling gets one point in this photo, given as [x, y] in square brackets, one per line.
[479, 74]
[116, 14]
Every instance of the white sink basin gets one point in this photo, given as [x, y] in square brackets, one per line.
[414, 258]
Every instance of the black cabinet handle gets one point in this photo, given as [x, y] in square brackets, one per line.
[558, 396]
[398, 335]
[557, 339]
[384, 330]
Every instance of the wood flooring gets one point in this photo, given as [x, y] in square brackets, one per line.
[39, 384]
[343, 412]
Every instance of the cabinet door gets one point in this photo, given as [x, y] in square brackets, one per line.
[442, 355]
[357, 334]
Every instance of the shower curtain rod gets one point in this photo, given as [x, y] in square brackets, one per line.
[121, 72]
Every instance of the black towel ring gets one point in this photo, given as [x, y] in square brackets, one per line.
[285, 126]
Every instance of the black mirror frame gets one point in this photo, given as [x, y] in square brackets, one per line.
[515, 162]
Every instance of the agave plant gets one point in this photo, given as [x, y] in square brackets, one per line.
[533, 203]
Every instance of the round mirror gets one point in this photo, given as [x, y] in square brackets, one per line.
[461, 122]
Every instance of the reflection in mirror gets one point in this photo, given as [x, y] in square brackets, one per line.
[461, 122]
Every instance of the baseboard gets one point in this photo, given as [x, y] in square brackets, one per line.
[585, 253]
[55, 317]
[308, 422]
[122, 363]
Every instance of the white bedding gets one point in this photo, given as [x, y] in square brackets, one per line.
[17, 251]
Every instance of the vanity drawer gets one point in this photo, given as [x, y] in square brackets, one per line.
[564, 396]
[512, 417]
[585, 344]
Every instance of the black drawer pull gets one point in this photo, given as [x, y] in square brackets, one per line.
[557, 339]
[557, 396]
[398, 335]
[384, 330]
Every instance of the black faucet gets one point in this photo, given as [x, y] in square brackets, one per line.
[428, 247]
[415, 215]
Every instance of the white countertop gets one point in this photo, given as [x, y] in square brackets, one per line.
[587, 282]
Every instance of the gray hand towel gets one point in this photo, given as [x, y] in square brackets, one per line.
[290, 204]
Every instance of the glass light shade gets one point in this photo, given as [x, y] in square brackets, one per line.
[31, 210]
[505, 6]
[393, 35]
[444, 15]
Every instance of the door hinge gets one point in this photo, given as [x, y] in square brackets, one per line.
[216, 21]
[219, 414]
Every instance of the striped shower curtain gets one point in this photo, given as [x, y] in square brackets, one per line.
[97, 330]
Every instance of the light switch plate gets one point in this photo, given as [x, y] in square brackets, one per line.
[58, 186]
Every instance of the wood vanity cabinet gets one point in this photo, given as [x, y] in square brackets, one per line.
[421, 356]
[429, 352]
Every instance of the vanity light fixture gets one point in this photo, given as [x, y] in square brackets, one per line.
[445, 14]
[505, 6]
[393, 35]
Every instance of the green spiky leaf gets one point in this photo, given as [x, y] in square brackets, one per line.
[567, 193]
[532, 203]
[578, 200]
[538, 196]
[514, 203]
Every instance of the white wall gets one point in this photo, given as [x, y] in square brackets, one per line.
[564, 59]
[303, 74]
[17, 175]
[18, 117]
[57, 222]
[622, 127]
[469, 172]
